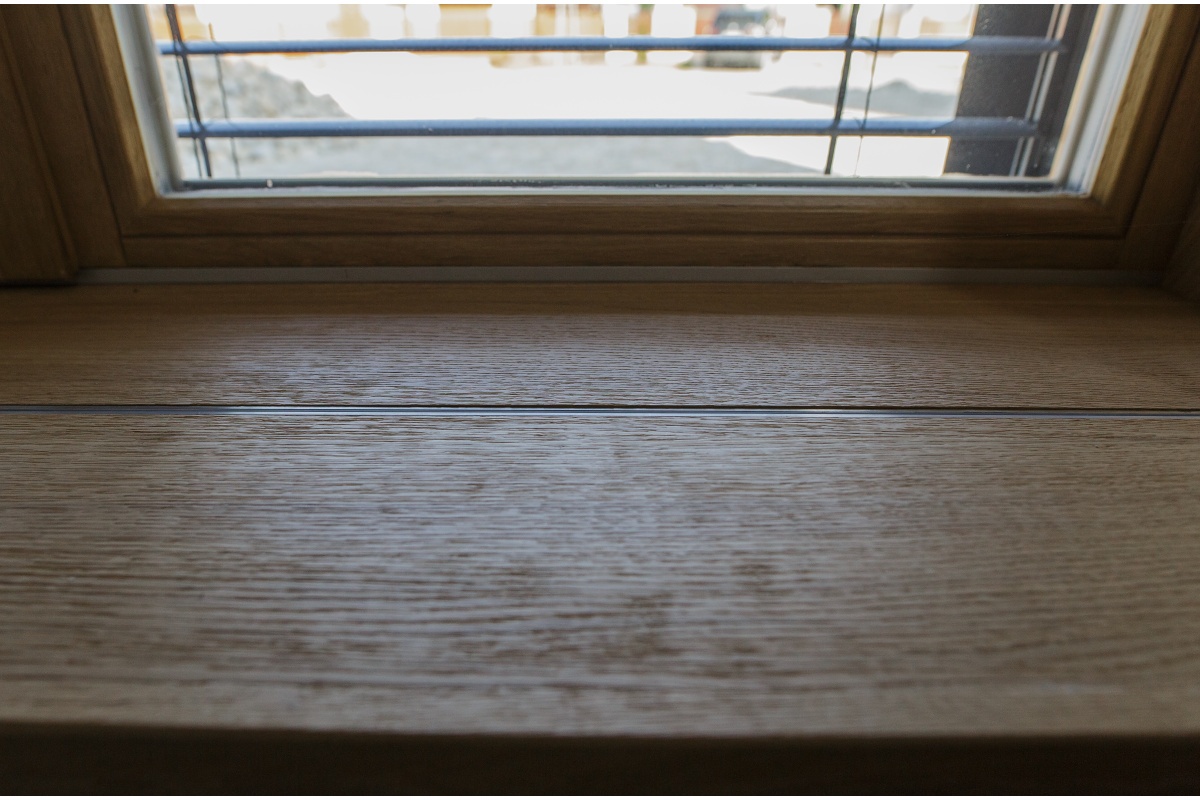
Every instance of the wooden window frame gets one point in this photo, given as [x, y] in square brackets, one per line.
[68, 72]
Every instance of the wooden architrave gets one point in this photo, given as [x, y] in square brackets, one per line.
[940, 229]
[34, 247]
[1183, 275]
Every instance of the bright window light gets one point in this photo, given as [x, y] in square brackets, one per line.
[1006, 97]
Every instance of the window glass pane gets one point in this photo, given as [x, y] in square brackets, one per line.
[739, 93]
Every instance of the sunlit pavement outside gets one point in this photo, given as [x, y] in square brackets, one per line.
[406, 86]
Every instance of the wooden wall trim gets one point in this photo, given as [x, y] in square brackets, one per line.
[34, 247]
[46, 71]
[875, 229]
[92, 40]
[864, 213]
[114, 214]
[1173, 175]
[566, 250]
[1145, 105]
[1183, 277]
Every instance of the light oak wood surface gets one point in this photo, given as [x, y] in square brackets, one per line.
[688, 601]
[744, 214]
[691, 575]
[564, 250]
[791, 345]
[1146, 103]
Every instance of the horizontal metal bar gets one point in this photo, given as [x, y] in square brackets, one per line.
[992, 45]
[599, 411]
[962, 128]
[711, 181]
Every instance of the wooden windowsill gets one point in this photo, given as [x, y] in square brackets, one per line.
[602, 344]
[523, 587]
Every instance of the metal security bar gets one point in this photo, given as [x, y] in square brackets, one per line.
[991, 45]
[1005, 130]
[966, 128]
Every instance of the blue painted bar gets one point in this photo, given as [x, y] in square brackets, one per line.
[992, 45]
[962, 128]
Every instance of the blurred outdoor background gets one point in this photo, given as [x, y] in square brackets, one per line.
[671, 85]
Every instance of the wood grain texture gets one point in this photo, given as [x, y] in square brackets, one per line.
[729, 213]
[569, 249]
[1183, 276]
[33, 245]
[103, 82]
[657, 344]
[1146, 104]
[1172, 179]
[668, 576]
[56, 103]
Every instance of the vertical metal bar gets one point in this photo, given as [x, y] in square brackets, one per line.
[1037, 93]
[190, 100]
[188, 111]
[1050, 98]
[841, 98]
[998, 85]
[870, 83]
[1074, 33]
